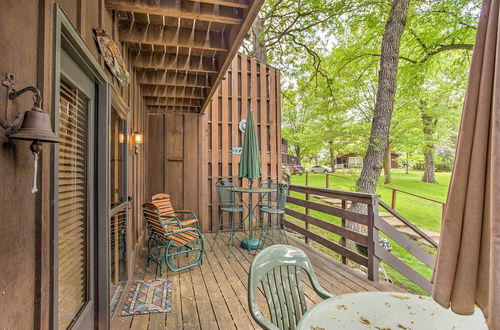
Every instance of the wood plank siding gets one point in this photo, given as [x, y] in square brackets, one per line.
[214, 294]
[177, 53]
[248, 85]
[187, 153]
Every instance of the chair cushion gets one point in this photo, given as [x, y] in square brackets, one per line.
[232, 208]
[272, 210]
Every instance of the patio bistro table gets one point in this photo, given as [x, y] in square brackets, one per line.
[386, 310]
[251, 243]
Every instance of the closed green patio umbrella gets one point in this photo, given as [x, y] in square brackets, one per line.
[250, 168]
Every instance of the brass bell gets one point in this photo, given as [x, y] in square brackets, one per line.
[36, 127]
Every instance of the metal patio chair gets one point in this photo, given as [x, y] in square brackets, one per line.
[277, 271]
[274, 223]
[228, 204]
[162, 201]
[167, 232]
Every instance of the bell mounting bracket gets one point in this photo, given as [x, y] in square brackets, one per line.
[12, 93]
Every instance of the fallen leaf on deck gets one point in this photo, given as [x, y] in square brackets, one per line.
[402, 326]
[315, 327]
[364, 320]
[344, 307]
[399, 297]
[379, 328]
[387, 304]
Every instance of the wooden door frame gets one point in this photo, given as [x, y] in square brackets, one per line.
[67, 37]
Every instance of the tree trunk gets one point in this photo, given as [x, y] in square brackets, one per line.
[332, 159]
[429, 125]
[259, 47]
[386, 90]
[387, 164]
[389, 61]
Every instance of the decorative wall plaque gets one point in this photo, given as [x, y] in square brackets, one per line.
[112, 56]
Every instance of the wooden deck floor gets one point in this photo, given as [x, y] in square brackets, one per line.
[214, 295]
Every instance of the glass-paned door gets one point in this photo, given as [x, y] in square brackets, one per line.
[118, 207]
[74, 287]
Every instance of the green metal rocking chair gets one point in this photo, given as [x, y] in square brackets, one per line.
[167, 232]
[277, 270]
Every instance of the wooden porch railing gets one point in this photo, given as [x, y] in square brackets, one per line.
[365, 240]
[396, 190]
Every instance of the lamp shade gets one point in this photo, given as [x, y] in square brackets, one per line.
[36, 126]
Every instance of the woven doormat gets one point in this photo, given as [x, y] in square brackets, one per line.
[147, 297]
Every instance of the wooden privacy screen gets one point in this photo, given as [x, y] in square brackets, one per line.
[248, 85]
[187, 153]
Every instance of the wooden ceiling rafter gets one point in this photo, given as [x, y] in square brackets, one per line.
[228, 3]
[139, 33]
[183, 9]
[173, 91]
[181, 49]
[171, 61]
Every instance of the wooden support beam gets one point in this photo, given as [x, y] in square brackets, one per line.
[140, 33]
[166, 78]
[228, 3]
[236, 35]
[171, 101]
[161, 109]
[180, 62]
[183, 9]
[173, 91]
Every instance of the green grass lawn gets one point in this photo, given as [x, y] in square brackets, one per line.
[424, 214]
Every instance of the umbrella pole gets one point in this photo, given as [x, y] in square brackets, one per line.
[250, 243]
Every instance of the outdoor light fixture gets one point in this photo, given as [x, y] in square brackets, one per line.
[121, 138]
[35, 125]
[138, 141]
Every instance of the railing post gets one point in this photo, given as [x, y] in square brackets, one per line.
[343, 240]
[443, 210]
[372, 240]
[393, 201]
[308, 197]
[327, 180]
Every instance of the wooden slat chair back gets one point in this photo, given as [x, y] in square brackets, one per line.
[276, 271]
[167, 232]
[162, 201]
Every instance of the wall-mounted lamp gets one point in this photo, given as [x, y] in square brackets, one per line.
[121, 138]
[138, 140]
[35, 125]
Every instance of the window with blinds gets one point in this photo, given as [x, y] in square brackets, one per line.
[72, 232]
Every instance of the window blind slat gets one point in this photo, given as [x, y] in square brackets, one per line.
[72, 204]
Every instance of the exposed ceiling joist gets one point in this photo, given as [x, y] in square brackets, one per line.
[166, 78]
[168, 61]
[172, 101]
[203, 11]
[229, 3]
[171, 91]
[138, 33]
[186, 44]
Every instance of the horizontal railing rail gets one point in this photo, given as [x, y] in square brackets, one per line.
[364, 239]
[367, 240]
[396, 190]
[409, 224]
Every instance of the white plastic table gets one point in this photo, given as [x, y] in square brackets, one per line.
[386, 310]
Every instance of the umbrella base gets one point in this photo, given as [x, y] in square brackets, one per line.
[251, 244]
